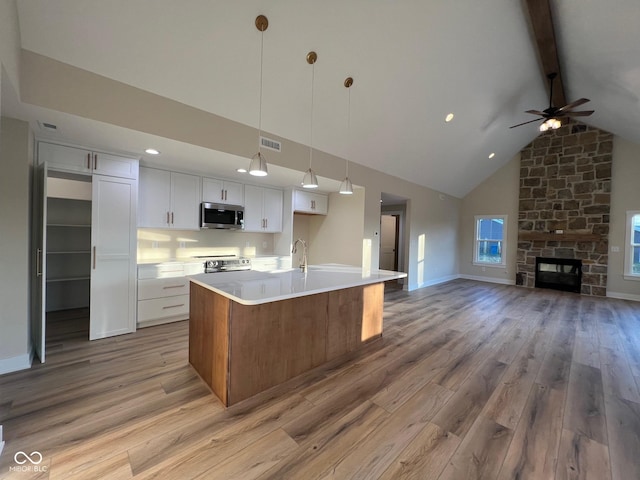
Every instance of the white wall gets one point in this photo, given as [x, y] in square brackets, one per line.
[337, 237]
[625, 195]
[10, 42]
[14, 241]
[497, 195]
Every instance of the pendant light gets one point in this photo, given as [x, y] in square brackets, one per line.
[309, 180]
[346, 188]
[258, 165]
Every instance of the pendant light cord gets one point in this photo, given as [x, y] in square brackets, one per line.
[313, 75]
[348, 128]
[260, 109]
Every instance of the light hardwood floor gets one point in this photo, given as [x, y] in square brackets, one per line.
[471, 380]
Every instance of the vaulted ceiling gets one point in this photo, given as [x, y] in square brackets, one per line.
[413, 62]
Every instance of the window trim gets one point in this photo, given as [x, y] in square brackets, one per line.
[479, 263]
[628, 248]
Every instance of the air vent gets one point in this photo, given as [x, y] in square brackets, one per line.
[47, 126]
[274, 145]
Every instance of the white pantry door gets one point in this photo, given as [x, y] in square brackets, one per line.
[113, 257]
[39, 224]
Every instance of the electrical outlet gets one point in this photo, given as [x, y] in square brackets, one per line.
[484, 269]
[615, 249]
[183, 245]
[154, 244]
[264, 244]
[247, 244]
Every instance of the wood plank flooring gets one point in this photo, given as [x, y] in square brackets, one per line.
[470, 381]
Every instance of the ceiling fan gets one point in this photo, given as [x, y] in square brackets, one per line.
[552, 115]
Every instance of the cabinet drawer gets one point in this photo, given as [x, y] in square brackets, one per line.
[160, 271]
[163, 307]
[162, 287]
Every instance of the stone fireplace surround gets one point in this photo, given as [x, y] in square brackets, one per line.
[565, 185]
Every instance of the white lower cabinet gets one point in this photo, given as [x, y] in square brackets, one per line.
[163, 293]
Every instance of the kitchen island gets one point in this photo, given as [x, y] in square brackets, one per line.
[249, 331]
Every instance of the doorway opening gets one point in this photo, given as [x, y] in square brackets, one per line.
[67, 257]
[392, 233]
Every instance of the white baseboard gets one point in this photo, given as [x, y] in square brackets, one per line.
[14, 364]
[430, 283]
[1, 440]
[501, 281]
[623, 296]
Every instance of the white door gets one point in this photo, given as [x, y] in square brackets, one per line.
[38, 314]
[233, 193]
[212, 190]
[113, 257]
[185, 201]
[387, 242]
[155, 203]
[253, 219]
[107, 164]
[272, 210]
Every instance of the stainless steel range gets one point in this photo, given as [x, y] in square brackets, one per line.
[225, 263]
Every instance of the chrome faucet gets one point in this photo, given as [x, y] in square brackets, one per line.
[303, 265]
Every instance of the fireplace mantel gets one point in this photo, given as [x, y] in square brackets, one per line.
[560, 237]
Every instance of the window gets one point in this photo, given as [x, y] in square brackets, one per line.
[490, 240]
[632, 250]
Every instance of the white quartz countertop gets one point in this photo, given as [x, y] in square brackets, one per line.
[253, 288]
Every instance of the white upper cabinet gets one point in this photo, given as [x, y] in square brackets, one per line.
[222, 191]
[308, 202]
[262, 209]
[75, 159]
[168, 200]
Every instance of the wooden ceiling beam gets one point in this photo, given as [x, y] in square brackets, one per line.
[542, 25]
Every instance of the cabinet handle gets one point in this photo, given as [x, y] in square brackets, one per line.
[95, 161]
[266, 223]
[172, 286]
[168, 218]
[171, 218]
[94, 257]
[222, 194]
[173, 306]
[39, 262]
[88, 161]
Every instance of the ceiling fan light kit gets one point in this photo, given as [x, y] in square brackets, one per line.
[552, 116]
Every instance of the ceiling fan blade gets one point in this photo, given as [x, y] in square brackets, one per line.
[584, 113]
[524, 123]
[575, 104]
[536, 112]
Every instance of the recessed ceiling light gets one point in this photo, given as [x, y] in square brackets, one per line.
[241, 170]
[448, 118]
[152, 151]
[491, 155]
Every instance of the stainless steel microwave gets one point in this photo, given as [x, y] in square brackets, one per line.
[215, 215]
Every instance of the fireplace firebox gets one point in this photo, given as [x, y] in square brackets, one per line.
[559, 273]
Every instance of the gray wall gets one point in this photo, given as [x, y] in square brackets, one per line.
[625, 195]
[15, 241]
[498, 195]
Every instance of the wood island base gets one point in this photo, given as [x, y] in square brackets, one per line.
[241, 350]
